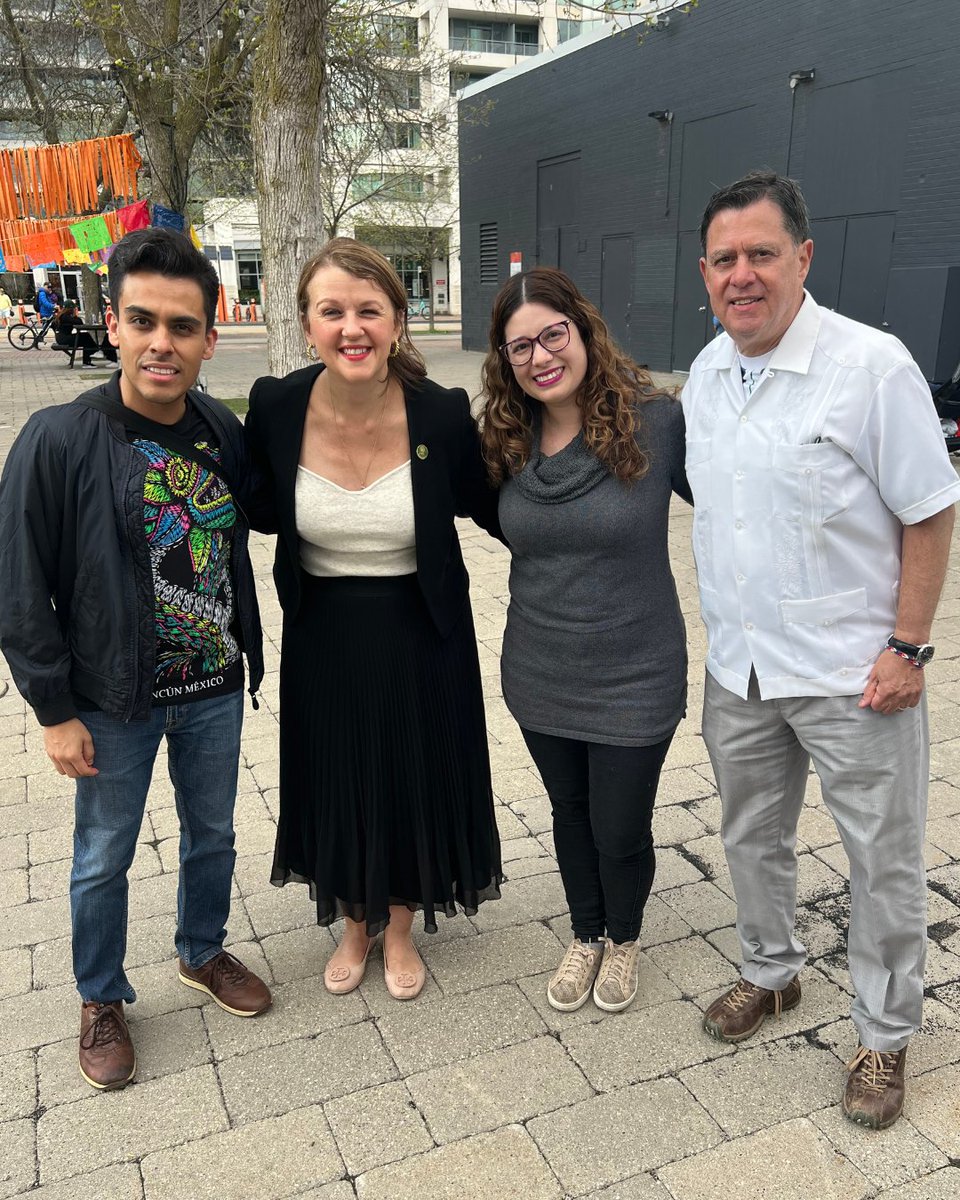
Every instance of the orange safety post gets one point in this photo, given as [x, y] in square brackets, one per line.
[253, 310]
[222, 304]
[23, 315]
[236, 311]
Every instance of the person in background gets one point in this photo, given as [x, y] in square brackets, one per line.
[64, 326]
[587, 453]
[46, 302]
[386, 805]
[6, 307]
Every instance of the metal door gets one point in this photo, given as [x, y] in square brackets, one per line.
[823, 280]
[867, 251]
[558, 212]
[616, 287]
[692, 324]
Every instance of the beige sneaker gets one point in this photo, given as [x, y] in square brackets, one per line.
[617, 983]
[570, 987]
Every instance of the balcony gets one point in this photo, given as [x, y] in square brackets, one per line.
[492, 46]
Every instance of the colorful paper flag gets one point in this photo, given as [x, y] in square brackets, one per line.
[134, 216]
[166, 218]
[40, 248]
[75, 258]
[195, 238]
[91, 235]
[3, 261]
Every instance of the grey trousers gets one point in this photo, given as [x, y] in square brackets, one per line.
[873, 772]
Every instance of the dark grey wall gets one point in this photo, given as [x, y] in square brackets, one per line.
[874, 139]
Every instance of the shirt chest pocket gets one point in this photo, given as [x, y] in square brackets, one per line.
[810, 482]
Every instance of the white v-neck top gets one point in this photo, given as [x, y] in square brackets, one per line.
[370, 532]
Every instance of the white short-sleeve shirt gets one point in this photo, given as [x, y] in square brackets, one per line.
[801, 493]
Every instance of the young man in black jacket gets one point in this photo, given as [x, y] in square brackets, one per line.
[128, 602]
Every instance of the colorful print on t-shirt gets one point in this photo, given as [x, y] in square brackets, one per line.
[189, 519]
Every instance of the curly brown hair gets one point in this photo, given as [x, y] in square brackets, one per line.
[613, 386]
[364, 262]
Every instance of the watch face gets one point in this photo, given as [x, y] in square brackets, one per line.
[924, 654]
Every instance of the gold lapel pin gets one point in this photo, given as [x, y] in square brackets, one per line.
[422, 452]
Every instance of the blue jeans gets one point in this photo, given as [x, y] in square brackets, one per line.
[203, 745]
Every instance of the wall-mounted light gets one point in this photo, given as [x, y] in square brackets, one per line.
[661, 114]
[800, 77]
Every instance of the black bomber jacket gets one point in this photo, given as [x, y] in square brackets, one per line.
[76, 585]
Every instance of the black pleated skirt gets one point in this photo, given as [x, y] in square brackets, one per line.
[385, 793]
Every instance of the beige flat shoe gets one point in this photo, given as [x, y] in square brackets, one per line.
[341, 978]
[404, 985]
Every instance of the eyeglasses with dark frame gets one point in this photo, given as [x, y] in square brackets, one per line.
[519, 351]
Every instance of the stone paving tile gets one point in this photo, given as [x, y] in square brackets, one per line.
[165, 1045]
[262, 1160]
[15, 972]
[609, 1138]
[15, 887]
[933, 1106]
[78, 1137]
[498, 1088]
[298, 1073]
[534, 899]
[449, 1028]
[641, 1044]
[26, 924]
[51, 845]
[792, 1161]
[300, 1010]
[534, 813]
[702, 905]
[941, 1185]
[497, 1165]
[252, 873]
[120, 1182]
[278, 909]
[19, 1077]
[765, 1084]
[49, 1016]
[673, 870]
[693, 966]
[13, 852]
[465, 964]
[298, 953]
[661, 924]
[378, 1126]
[893, 1157]
[640, 1187]
[341, 1190]
[18, 1167]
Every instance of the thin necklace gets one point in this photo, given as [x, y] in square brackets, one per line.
[376, 444]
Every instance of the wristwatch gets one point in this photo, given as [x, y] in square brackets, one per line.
[919, 655]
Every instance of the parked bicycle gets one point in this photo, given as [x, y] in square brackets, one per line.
[418, 308]
[28, 335]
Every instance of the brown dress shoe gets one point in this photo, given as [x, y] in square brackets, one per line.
[875, 1088]
[232, 986]
[740, 1012]
[107, 1059]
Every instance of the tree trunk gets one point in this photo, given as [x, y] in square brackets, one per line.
[290, 78]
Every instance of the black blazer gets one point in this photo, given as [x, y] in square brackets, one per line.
[449, 479]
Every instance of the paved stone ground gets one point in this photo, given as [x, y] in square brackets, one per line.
[478, 1090]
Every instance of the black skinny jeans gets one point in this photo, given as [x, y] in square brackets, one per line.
[602, 798]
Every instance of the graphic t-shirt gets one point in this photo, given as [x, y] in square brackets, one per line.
[189, 520]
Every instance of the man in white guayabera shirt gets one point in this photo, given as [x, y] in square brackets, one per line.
[824, 508]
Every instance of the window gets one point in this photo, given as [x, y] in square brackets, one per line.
[462, 79]
[404, 135]
[489, 253]
[399, 35]
[366, 185]
[527, 35]
[249, 274]
[404, 87]
[567, 29]
[410, 187]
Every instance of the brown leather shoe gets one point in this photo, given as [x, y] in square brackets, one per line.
[107, 1059]
[875, 1088]
[232, 986]
[740, 1012]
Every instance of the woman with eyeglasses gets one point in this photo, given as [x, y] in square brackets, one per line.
[587, 453]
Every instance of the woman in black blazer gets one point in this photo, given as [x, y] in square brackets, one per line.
[385, 798]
